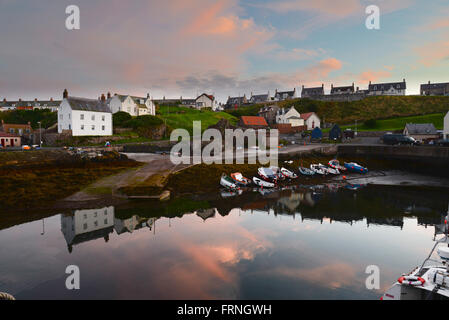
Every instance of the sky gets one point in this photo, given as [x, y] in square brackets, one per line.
[177, 48]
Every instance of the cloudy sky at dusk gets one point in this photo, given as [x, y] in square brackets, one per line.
[225, 47]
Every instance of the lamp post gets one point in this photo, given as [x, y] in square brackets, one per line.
[40, 135]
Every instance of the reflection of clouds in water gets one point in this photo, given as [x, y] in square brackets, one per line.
[334, 275]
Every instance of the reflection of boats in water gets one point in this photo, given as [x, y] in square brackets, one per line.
[430, 281]
[226, 193]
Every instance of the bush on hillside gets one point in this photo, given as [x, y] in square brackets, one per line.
[371, 124]
[120, 118]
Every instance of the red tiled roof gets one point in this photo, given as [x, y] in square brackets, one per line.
[306, 116]
[254, 121]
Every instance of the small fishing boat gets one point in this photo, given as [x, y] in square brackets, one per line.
[335, 164]
[267, 174]
[288, 174]
[354, 167]
[240, 179]
[228, 182]
[306, 171]
[430, 281]
[329, 170]
[263, 183]
[277, 172]
[317, 169]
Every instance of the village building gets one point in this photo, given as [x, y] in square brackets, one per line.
[446, 127]
[135, 106]
[253, 122]
[269, 113]
[206, 101]
[9, 140]
[421, 131]
[84, 117]
[260, 98]
[387, 89]
[312, 92]
[235, 102]
[290, 116]
[284, 95]
[311, 120]
[35, 104]
[435, 89]
[343, 90]
[189, 103]
[22, 130]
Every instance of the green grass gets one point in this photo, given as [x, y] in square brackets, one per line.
[182, 117]
[399, 123]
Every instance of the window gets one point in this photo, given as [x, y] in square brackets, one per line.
[82, 127]
[96, 223]
[69, 115]
[81, 116]
[105, 221]
[103, 118]
[85, 226]
[102, 128]
[93, 127]
[93, 117]
[105, 212]
[85, 216]
[61, 116]
[70, 127]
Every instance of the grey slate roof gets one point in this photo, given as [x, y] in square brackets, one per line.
[84, 104]
[342, 89]
[386, 86]
[259, 98]
[421, 128]
[434, 86]
[313, 91]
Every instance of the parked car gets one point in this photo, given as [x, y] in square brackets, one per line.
[26, 147]
[399, 139]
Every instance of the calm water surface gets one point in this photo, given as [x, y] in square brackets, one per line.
[307, 243]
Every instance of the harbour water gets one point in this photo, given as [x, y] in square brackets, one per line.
[303, 242]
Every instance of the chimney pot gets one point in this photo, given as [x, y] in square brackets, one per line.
[65, 94]
[4, 99]
[20, 99]
[103, 98]
[51, 99]
[109, 95]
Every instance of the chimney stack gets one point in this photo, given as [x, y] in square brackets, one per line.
[429, 81]
[20, 99]
[148, 96]
[109, 95]
[35, 99]
[51, 99]
[65, 94]
[4, 99]
[103, 98]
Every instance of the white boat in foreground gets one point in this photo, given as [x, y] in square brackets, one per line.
[262, 183]
[430, 281]
[329, 170]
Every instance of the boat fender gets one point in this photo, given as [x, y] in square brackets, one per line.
[412, 281]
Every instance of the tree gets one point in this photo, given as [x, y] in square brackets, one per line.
[120, 118]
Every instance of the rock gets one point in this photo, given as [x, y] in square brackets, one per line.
[165, 195]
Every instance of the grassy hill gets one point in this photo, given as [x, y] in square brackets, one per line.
[381, 107]
[182, 117]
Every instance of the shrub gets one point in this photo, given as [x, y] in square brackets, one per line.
[120, 118]
[371, 124]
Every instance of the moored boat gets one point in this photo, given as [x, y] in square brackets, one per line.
[355, 167]
[335, 164]
[288, 174]
[228, 182]
[267, 174]
[306, 171]
[317, 170]
[240, 179]
[329, 170]
[263, 183]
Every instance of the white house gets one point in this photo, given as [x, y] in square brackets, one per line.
[291, 116]
[206, 101]
[135, 106]
[87, 225]
[311, 120]
[387, 89]
[446, 127]
[84, 117]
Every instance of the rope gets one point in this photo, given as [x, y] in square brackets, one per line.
[6, 296]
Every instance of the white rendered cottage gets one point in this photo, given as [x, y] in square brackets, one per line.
[135, 106]
[291, 116]
[311, 120]
[84, 117]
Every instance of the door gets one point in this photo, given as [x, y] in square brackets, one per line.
[11, 142]
[3, 142]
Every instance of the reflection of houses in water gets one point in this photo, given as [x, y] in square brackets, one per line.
[133, 223]
[394, 221]
[86, 225]
[206, 213]
[290, 203]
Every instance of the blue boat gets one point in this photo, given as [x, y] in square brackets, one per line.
[354, 167]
